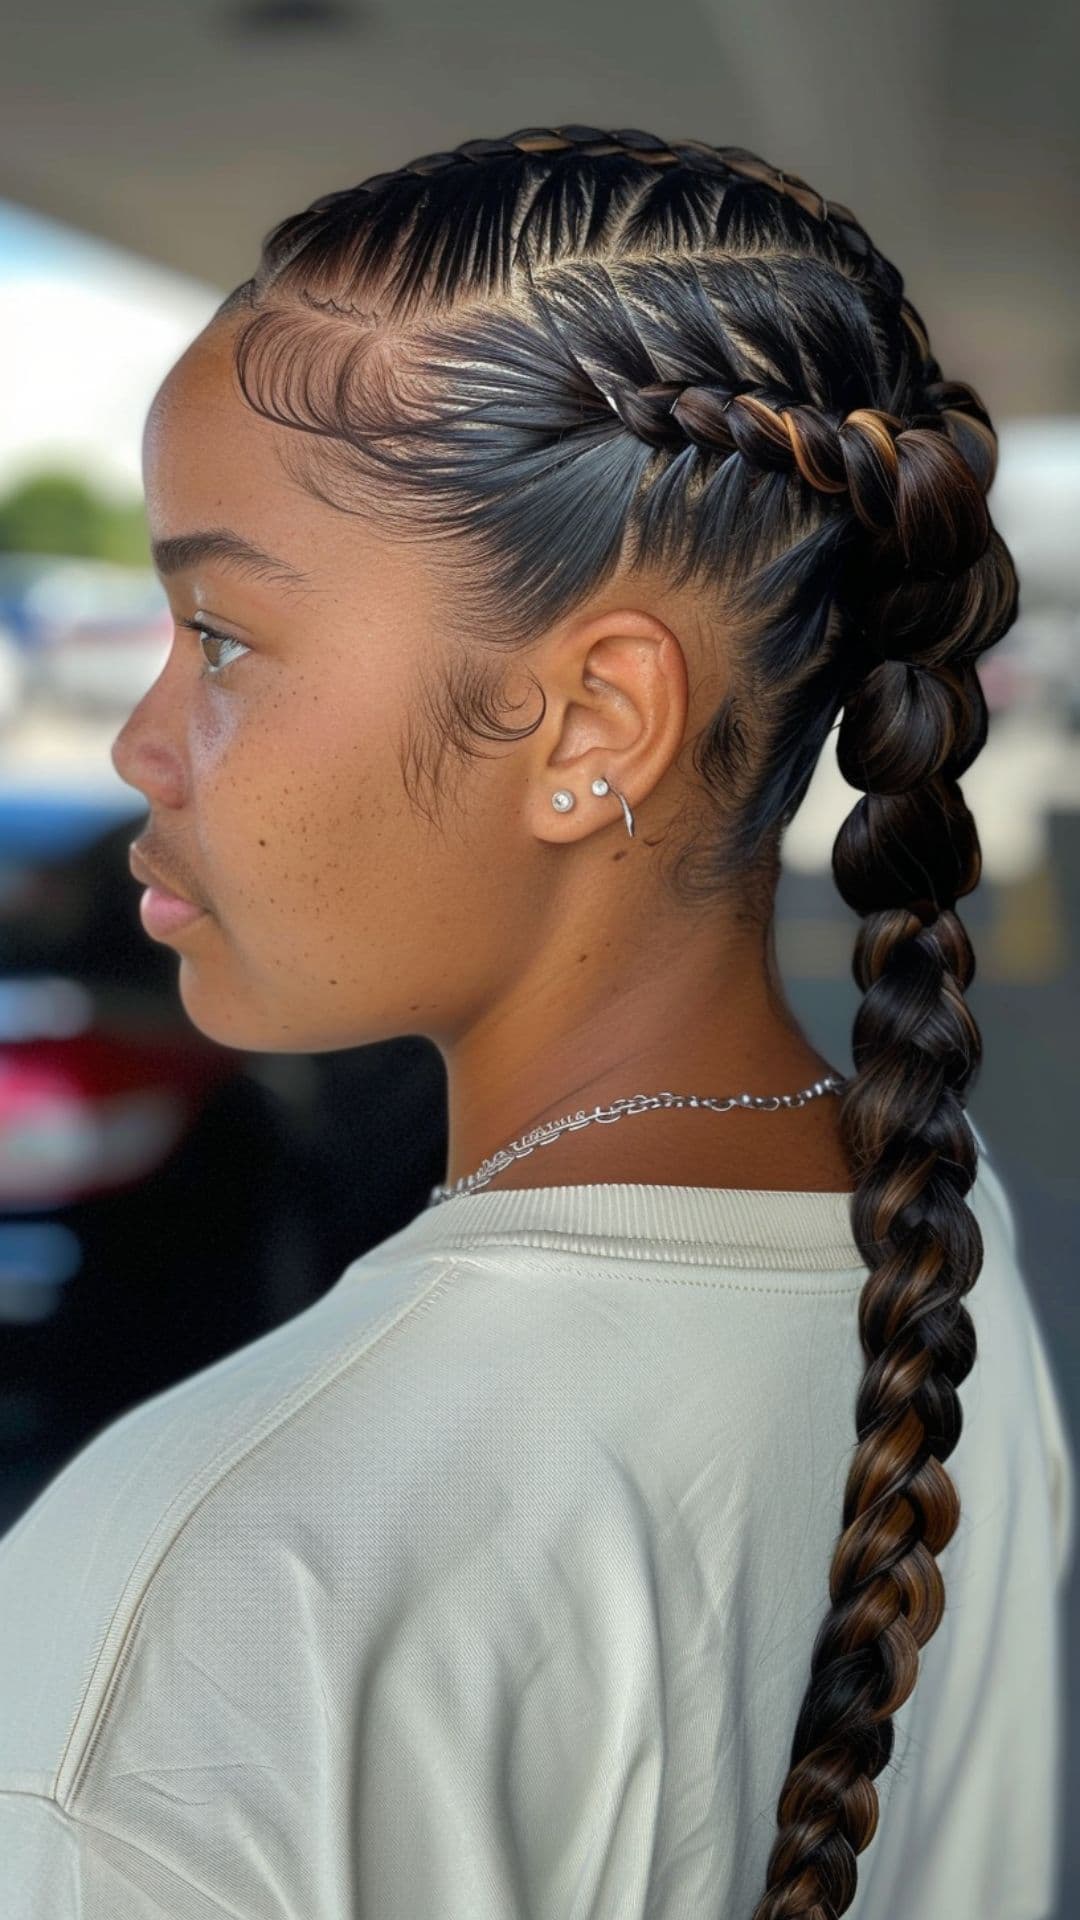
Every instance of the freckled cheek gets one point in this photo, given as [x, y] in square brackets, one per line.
[313, 814]
[240, 782]
[347, 802]
[295, 802]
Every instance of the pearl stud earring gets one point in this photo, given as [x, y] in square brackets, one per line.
[562, 800]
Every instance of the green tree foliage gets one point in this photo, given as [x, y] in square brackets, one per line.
[59, 512]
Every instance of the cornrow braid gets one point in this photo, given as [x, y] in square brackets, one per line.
[861, 455]
[630, 143]
[581, 347]
[560, 151]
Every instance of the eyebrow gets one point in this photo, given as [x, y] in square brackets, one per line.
[181, 551]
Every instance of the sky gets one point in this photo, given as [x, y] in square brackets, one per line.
[87, 333]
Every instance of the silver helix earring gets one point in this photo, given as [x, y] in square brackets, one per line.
[563, 800]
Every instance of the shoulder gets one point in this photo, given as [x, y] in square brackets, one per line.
[78, 1566]
[400, 1449]
[377, 1573]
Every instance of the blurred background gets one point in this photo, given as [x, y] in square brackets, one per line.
[162, 1199]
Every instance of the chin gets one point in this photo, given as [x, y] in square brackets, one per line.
[225, 1018]
[237, 1021]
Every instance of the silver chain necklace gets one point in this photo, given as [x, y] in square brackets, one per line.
[638, 1103]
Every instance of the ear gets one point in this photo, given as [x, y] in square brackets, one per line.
[617, 693]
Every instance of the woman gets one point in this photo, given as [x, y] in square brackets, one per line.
[529, 519]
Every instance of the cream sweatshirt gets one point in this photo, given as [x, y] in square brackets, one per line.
[485, 1589]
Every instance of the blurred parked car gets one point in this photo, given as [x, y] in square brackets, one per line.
[139, 1210]
[12, 680]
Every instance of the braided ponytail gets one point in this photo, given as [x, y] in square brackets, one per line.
[566, 350]
[940, 581]
[908, 850]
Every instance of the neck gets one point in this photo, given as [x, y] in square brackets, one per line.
[562, 1040]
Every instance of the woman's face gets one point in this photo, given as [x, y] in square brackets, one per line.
[338, 911]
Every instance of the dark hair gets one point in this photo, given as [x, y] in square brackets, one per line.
[570, 350]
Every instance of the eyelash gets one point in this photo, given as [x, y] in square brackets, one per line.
[202, 631]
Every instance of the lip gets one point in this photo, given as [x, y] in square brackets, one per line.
[164, 914]
[162, 911]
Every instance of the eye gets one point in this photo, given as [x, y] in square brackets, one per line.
[209, 670]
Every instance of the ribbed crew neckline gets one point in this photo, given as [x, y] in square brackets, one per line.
[707, 1226]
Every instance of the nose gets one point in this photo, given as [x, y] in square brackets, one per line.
[144, 753]
[121, 752]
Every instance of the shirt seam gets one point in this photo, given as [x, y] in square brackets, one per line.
[671, 1251]
[675, 1279]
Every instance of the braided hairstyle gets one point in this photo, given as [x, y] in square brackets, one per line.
[572, 350]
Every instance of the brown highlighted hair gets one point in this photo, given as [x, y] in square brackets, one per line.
[570, 349]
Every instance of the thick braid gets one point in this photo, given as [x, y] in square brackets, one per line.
[861, 455]
[903, 857]
[940, 591]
